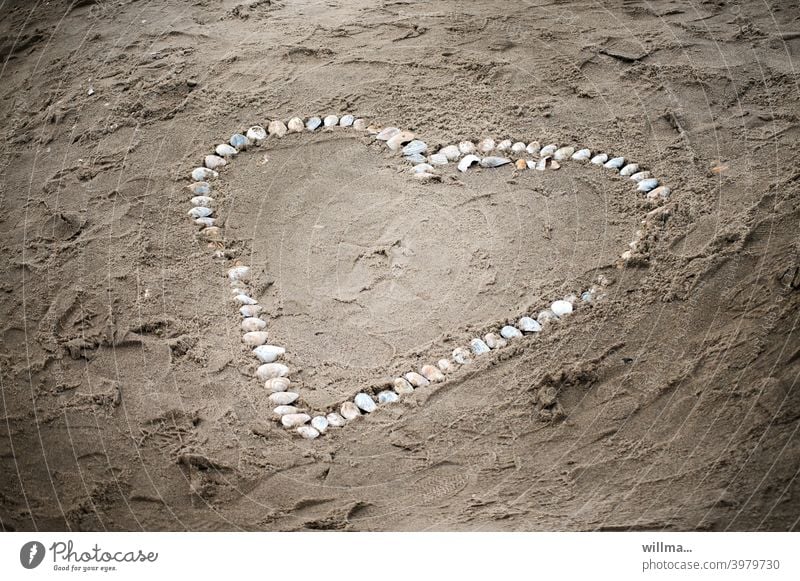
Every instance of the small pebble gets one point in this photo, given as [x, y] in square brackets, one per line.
[521, 164]
[200, 188]
[561, 308]
[466, 147]
[548, 150]
[365, 403]
[661, 192]
[533, 148]
[346, 121]
[245, 300]
[239, 273]
[313, 123]
[486, 145]
[493, 341]
[251, 324]
[614, 163]
[563, 153]
[582, 155]
[330, 121]
[271, 370]
[629, 169]
[479, 347]
[388, 397]
[284, 397]
[438, 159]
[349, 410]
[294, 420]
[451, 152]
[432, 373]
[308, 432]
[444, 365]
[528, 325]
[461, 355]
[416, 379]
[214, 161]
[416, 158]
[647, 184]
[203, 174]
[251, 310]
[205, 221]
[402, 386]
[239, 141]
[277, 384]
[422, 168]
[509, 332]
[202, 201]
[320, 423]
[256, 134]
[200, 212]
[277, 128]
[283, 410]
[587, 296]
[639, 176]
[295, 125]
[387, 133]
[335, 420]
[415, 146]
[360, 124]
[546, 316]
[599, 159]
[255, 338]
[504, 145]
[225, 150]
[269, 353]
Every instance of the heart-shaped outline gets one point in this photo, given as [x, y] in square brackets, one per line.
[275, 374]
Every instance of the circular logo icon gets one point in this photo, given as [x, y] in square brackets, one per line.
[31, 554]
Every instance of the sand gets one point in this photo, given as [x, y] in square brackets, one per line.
[127, 397]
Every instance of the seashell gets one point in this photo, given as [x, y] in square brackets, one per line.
[478, 346]
[432, 373]
[269, 353]
[319, 423]
[426, 177]
[388, 397]
[661, 192]
[599, 159]
[225, 150]
[639, 176]
[251, 310]
[271, 370]
[494, 341]
[451, 152]
[542, 164]
[397, 141]
[444, 365]
[277, 128]
[629, 169]
[214, 161]
[422, 168]
[200, 188]
[335, 420]
[461, 356]
[493, 161]
[346, 121]
[284, 397]
[202, 201]
[614, 163]
[245, 300]
[504, 145]
[239, 273]
[295, 125]
[330, 121]
[203, 174]
[466, 147]
[239, 141]
[528, 325]
[365, 402]
[256, 134]
[509, 332]
[548, 150]
[206, 221]
[294, 420]
[647, 184]
[531, 164]
[360, 124]
[283, 410]
[533, 148]
[254, 338]
[200, 212]
[438, 159]
[277, 384]
[587, 296]
[467, 161]
[349, 410]
[521, 164]
[416, 158]
[518, 147]
[563, 153]
[416, 379]
[415, 146]
[582, 155]
[486, 145]
[561, 308]
[546, 316]
[313, 123]
[402, 386]
[387, 133]
[308, 432]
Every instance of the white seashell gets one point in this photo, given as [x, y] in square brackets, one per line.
[251, 324]
[346, 121]
[202, 174]
[518, 147]
[277, 128]
[251, 310]
[255, 338]
[200, 212]
[335, 420]
[415, 146]
[284, 397]
[494, 341]
[647, 184]
[387, 133]
[277, 384]
[478, 346]
[466, 147]
[319, 423]
[308, 432]
[467, 161]
[397, 141]
[239, 141]
[402, 386]
[546, 316]
[661, 192]
[200, 188]
[531, 164]
[256, 134]
[294, 420]
[330, 120]
[582, 155]
[563, 153]
[295, 125]
[365, 402]
[599, 159]
[629, 169]
[639, 176]
[438, 159]
[444, 365]
[283, 410]
[206, 221]
[548, 150]
[561, 308]
[493, 161]
[614, 163]
[528, 325]
[509, 332]
[422, 168]
[239, 273]
[416, 379]
[416, 158]
[541, 165]
[432, 373]
[486, 145]
[504, 145]
[245, 300]
[225, 150]
[202, 201]
[461, 355]
[214, 161]
[388, 397]
[451, 152]
[269, 353]
[349, 410]
[360, 124]
[271, 370]
[313, 123]
[533, 148]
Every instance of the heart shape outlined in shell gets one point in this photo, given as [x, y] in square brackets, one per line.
[487, 154]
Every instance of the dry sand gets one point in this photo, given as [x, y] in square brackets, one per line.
[127, 397]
